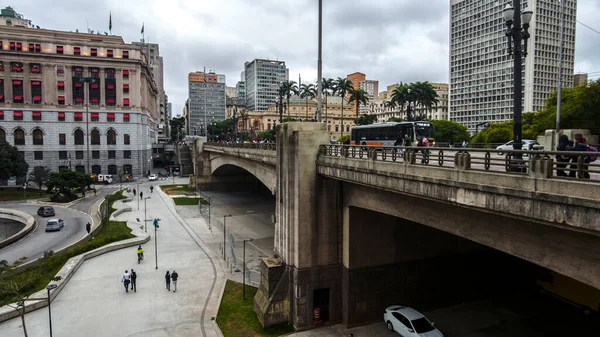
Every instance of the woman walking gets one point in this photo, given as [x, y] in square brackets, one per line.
[168, 280]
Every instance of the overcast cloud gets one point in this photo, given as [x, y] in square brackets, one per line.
[388, 40]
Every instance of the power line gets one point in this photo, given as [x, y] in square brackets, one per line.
[588, 27]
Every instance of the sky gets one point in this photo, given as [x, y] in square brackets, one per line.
[388, 40]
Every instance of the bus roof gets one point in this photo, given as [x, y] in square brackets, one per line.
[385, 124]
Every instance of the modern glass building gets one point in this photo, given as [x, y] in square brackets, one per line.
[206, 94]
[263, 78]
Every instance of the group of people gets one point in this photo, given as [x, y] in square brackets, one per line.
[129, 279]
[578, 144]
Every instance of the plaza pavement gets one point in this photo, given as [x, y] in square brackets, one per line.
[94, 302]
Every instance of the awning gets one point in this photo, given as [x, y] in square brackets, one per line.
[17, 82]
[125, 116]
[94, 100]
[61, 115]
[125, 54]
[17, 113]
[77, 49]
[37, 98]
[95, 115]
[125, 101]
[125, 86]
[77, 84]
[61, 83]
[2, 114]
[59, 48]
[110, 115]
[1, 96]
[78, 114]
[110, 86]
[18, 98]
[79, 99]
[94, 85]
[36, 114]
[110, 101]
[126, 72]
[36, 83]
[61, 98]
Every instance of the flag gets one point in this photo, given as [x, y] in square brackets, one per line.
[142, 32]
[110, 21]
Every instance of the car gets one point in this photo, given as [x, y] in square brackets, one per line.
[152, 177]
[55, 225]
[46, 211]
[408, 322]
[527, 145]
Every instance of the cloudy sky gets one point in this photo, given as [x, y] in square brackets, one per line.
[388, 40]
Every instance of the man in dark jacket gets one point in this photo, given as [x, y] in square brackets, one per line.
[133, 277]
[174, 277]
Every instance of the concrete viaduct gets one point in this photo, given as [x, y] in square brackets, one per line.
[354, 233]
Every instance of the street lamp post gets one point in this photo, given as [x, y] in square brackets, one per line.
[209, 204]
[224, 235]
[138, 191]
[25, 191]
[145, 220]
[87, 117]
[155, 243]
[408, 107]
[244, 270]
[514, 33]
[50, 287]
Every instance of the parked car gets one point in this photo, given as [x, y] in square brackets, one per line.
[55, 225]
[408, 322]
[152, 177]
[527, 144]
[46, 211]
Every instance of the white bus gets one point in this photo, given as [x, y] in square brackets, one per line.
[390, 133]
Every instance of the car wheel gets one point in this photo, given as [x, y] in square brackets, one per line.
[500, 153]
[390, 326]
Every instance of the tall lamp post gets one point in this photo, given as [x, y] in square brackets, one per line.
[50, 287]
[155, 223]
[514, 33]
[225, 235]
[244, 269]
[408, 107]
[87, 117]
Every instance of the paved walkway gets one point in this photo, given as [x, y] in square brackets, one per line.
[94, 302]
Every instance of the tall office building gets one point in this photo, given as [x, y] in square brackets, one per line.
[481, 71]
[206, 94]
[372, 89]
[170, 109]
[263, 78]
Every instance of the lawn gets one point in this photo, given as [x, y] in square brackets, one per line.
[38, 277]
[236, 317]
[16, 193]
[187, 201]
[177, 189]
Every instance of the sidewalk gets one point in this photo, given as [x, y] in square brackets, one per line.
[94, 302]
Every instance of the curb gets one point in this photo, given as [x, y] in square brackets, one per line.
[21, 217]
[40, 299]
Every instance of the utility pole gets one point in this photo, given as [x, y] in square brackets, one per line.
[320, 65]
[560, 65]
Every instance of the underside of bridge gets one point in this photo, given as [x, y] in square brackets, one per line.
[233, 178]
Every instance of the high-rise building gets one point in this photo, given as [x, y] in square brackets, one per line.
[580, 80]
[263, 78]
[59, 121]
[170, 109]
[231, 91]
[206, 93]
[356, 78]
[240, 87]
[481, 71]
[372, 88]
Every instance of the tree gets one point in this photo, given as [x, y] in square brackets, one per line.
[365, 119]
[14, 287]
[447, 131]
[177, 128]
[342, 87]
[307, 91]
[399, 98]
[39, 175]
[358, 96]
[12, 163]
[289, 88]
[65, 181]
[328, 86]
[267, 135]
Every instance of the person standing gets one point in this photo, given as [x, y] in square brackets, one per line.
[133, 280]
[168, 280]
[151, 189]
[174, 277]
[562, 160]
[141, 195]
[134, 191]
[88, 227]
[126, 279]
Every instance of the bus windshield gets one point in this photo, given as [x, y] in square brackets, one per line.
[424, 130]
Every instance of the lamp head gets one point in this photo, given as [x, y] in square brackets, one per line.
[526, 16]
[508, 13]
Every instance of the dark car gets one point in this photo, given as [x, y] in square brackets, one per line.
[46, 211]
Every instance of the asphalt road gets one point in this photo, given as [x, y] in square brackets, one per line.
[39, 241]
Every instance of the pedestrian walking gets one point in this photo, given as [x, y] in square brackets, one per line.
[126, 278]
[94, 191]
[141, 195]
[151, 189]
[168, 280]
[133, 280]
[174, 277]
[134, 192]
[88, 227]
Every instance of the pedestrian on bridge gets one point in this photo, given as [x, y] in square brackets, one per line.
[88, 227]
[168, 280]
[133, 280]
[174, 277]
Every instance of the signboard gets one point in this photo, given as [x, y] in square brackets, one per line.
[199, 77]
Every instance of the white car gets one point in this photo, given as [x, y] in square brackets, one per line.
[527, 144]
[55, 225]
[408, 322]
[152, 177]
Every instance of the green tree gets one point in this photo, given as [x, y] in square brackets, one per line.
[267, 135]
[342, 87]
[365, 119]
[65, 181]
[400, 96]
[343, 139]
[307, 91]
[289, 88]
[495, 133]
[328, 85]
[177, 128]
[395, 119]
[12, 164]
[39, 175]
[446, 131]
[358, 96]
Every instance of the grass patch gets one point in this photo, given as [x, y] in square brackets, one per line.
[177, 189]
[236, 316]
[16, 193]
[39, 276]
[187, 201]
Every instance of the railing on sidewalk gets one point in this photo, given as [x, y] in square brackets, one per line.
[573, 164]
[255, 146]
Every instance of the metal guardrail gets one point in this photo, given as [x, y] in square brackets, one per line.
[575, 164]
[255, 146]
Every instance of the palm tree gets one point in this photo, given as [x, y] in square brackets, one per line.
[328, 89]
[358, 96]
[399, 97]
[307, 91]
[289, 88]
[342, 87]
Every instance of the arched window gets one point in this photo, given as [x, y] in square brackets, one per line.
[38, 137]
[2, 135]
[95, 137]
[19, 137]
[78, 136]
[111, 137]
[96, 169]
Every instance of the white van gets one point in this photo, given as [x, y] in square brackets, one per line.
[105, 178]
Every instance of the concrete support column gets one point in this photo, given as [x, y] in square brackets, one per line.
[540, 167]
[462, 160]
[201, 161]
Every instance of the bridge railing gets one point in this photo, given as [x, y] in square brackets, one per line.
[255, 146]
[572, 165]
